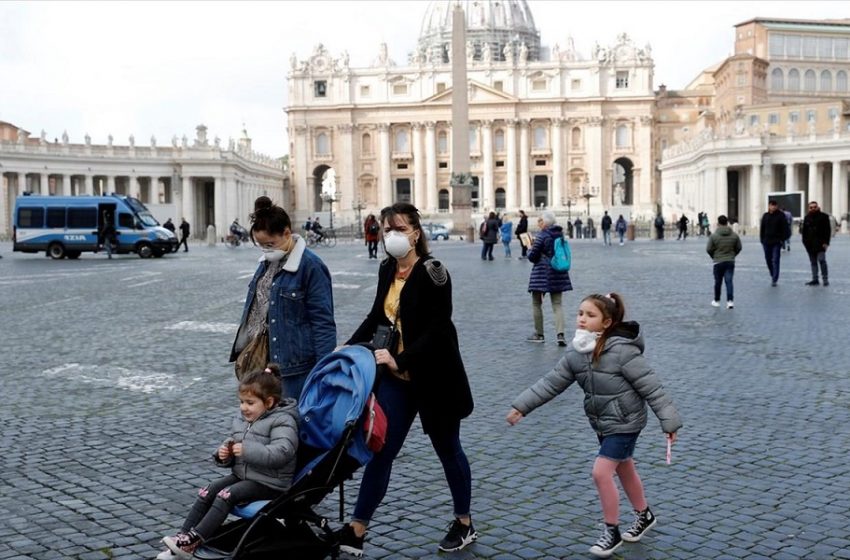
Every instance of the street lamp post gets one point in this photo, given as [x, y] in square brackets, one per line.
[589, 192]
[358, 206]
[330, 198]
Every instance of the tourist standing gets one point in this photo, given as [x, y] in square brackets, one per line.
[184, 235]
[522, 227]
[577, 226]
[606, 229]
[659, 227]
[620, 227]
[169, 225]
[289, 307]
[425, 375]
[489, 236]
[683, 227]
[723, 246]
[817, 233]
[371, 229]
[773, 231]
[506, 232]
[546, 280]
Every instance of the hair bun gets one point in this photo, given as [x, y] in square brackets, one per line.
[262, 203]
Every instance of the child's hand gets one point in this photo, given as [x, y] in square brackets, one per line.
[237, 449]
[671, 437]
[514, 416]
[224, 451]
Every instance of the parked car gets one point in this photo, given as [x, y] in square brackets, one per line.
[437, 231]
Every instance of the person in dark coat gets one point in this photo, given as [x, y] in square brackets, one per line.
[489, 236]
[424, 374]
[169, 225]
[371, 229]
[522, 227]
[577, 226]
[606, 228]
[683, 227]
[546, 280]
[773, 232]
[184, 235]
[659, 227]
[817, 233]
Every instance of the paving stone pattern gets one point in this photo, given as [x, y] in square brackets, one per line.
[116, 389]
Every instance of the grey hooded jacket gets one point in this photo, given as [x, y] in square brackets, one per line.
[616, 389]
[268, 446]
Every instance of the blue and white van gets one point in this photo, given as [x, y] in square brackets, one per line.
[65, 226]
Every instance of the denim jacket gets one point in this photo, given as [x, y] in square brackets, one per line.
[301, 315]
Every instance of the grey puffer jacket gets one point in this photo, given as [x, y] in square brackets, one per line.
[268, 446]
[616, 389]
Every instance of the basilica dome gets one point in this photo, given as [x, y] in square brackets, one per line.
[490, 25]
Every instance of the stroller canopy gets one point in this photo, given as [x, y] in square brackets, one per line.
[334, 396]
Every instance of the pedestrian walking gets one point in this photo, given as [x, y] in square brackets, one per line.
[506, 232]
[425, 375]
[260, 451]
[683, 228]
[108, 234]
[169, 225]
[773, 232]
[606, 229]
[723, 246]
[620, 227]
[590, 229]
[659, 227]
[790, 219]
[817, 233]
[546, 280]
[184, 235]
[288, 317]
[606, 358]
[522, 227]
[489, 235]
[371, 229]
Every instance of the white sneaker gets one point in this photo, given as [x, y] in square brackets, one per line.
[715, 304]
[730, 305]
[166, 555]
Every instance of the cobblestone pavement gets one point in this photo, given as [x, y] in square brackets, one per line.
[116, 388]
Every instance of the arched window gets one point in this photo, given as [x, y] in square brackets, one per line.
[575, 138]
[366, 144]
[443, 142]
[809, 80]
[401, 141]
[841, 81]
[826, 80]
[793, 80]
[473, 138]
[499, 141]
[777, 79]
[623, 139]
[323, 144]
[443, 200]
[539, 137]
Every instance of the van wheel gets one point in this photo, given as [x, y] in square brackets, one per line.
[56, 251]
[72, 254]
[144, 250]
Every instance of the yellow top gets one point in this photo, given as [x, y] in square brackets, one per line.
[391, 305]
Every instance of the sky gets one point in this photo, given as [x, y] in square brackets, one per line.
[161, 68]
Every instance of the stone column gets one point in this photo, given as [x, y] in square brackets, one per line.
[755, 200]
[595, 147]
[420, 188]
[22, 183]
[721, 197]
[489, 189]
[431, 167]
[557, 163]
[815, 186]
[189, 206]
[110, 184]
[510, 164]
[642, 190]
[66, 185]
[839, 204]
[44, 184]
[346, 180]
[385, 188]
[89, 184]
[303, 201]
[220, 207]
[524, 177]
[790, 177]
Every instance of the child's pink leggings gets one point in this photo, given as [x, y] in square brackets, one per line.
[603, 477]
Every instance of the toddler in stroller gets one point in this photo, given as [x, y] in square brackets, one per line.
[334, 442]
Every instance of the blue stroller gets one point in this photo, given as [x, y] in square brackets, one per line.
[332, 447]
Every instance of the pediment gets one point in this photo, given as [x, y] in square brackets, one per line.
[478, 93]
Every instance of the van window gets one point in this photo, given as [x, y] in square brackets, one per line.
[56, 218]
[82, 217]
[30, 217]
[125, 220]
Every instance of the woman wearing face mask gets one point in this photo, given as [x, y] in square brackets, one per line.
[425, 374]
[290, 296]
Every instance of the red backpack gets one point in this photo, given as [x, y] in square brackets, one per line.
[374, 425]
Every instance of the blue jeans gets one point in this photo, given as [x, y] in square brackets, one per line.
[620, 234]
[399, 403]
[772, 254]
[507, 244]
[487, 250]
[606, 236]
[723, 272]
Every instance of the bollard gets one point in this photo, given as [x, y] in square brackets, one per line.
[211, 235]
[630, 232]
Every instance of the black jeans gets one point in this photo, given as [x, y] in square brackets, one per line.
[373, 248]
[723, 271]
[522, 247]
[772, 256]
[185, 242]
[487, 251]
[219, 497]
[814, 260]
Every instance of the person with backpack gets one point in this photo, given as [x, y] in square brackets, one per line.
[620, 227]
[546, 278]
[371, 229]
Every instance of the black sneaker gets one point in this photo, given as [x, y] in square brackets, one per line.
[642, 523]
[813, 283]
[535, 338]
[825, 282]
[458, 537]
[608, 542]
[350, 543]
[561, 340]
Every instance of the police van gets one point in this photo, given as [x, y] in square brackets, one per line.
[65, 226]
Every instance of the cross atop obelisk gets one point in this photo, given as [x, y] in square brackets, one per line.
[461, 179]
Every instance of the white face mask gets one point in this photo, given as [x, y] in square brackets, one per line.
[397, 244]
[273, 255]
[584, 341]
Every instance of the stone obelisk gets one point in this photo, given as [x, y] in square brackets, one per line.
[461, 181]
